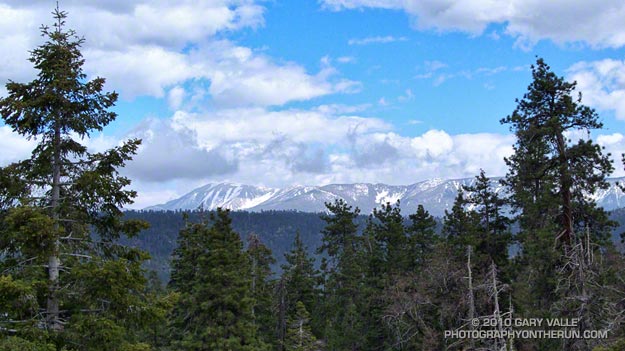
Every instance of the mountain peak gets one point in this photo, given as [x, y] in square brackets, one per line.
[436, 195]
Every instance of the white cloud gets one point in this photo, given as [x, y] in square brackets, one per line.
[602, 84]
[175, 97]
[615, 145]
[408, 95]
[171, 152]
[240, 77]
[261, 125]
[598, 24]
[14, 147]
[376, 40]
[148, 48]
[139, 70]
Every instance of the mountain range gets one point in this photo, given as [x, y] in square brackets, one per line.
[435, 195]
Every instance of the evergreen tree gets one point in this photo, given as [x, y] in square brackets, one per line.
[493, 227]
[421, 236]
[460, 226]
[548, 174]
[343, 278]
[299, 336]
[548, 179]
[387, 228]
[212, 274]
[261, 260]
[60, 211]
[301, 283]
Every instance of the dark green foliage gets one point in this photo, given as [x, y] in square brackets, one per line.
[461, 227]
[300, 284]
[13, 343]
[276, 229]
[263, 287]
[213, 276]
[422, 236]
[343, 275]
[61, 284]
[561, 229]
[493, 228]
[299, 336]
[386, 228]
[548, 174]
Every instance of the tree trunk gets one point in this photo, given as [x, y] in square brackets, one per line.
[565, 191]
[471, 295]
[54, 263]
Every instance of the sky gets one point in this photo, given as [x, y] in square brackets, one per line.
[279, 93]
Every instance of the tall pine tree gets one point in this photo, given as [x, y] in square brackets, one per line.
[550, 175]
[60, 210]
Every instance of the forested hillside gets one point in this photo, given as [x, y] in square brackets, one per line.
[276, 229]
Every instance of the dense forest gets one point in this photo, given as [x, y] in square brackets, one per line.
[276, 229]
[73, 277]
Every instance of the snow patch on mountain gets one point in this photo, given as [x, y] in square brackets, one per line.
[436, 195]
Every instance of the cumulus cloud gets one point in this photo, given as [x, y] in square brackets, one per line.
[615, 145]
[323, 145]
[241, 77]
[599, 24]
[151, 48]
[175, 97]
[139, 70]
[171, 152]
[262, 125]
[14, 147]
[602, 84]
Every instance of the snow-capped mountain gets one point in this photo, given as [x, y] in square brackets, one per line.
[435, 195]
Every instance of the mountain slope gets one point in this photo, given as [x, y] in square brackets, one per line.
[435, 195]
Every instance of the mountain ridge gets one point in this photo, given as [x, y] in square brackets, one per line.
[435, 195]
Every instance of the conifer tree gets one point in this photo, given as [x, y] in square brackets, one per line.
[60, 211]
[493, 227]
[548, 180]
[421, 236]
[299, 336]
[261, 260]
[343, 277]
[548, 173]
[212, 274]
[460, 226]
[387, 228]
[301, 283]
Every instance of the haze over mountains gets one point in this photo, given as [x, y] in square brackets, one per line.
[435, 195]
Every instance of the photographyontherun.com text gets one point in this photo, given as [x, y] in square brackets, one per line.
[525, 328]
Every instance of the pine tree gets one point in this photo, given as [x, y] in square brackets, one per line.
[343, 278]
[493, 228]
[460, 226]
[421, 236]
[548, 180]
[212, 274]
[301, 282]
[387, 228]
[60, 210]
[299, 336]
[548, 172]
[261, 260]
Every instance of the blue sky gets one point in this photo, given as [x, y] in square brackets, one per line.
[279, 93]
